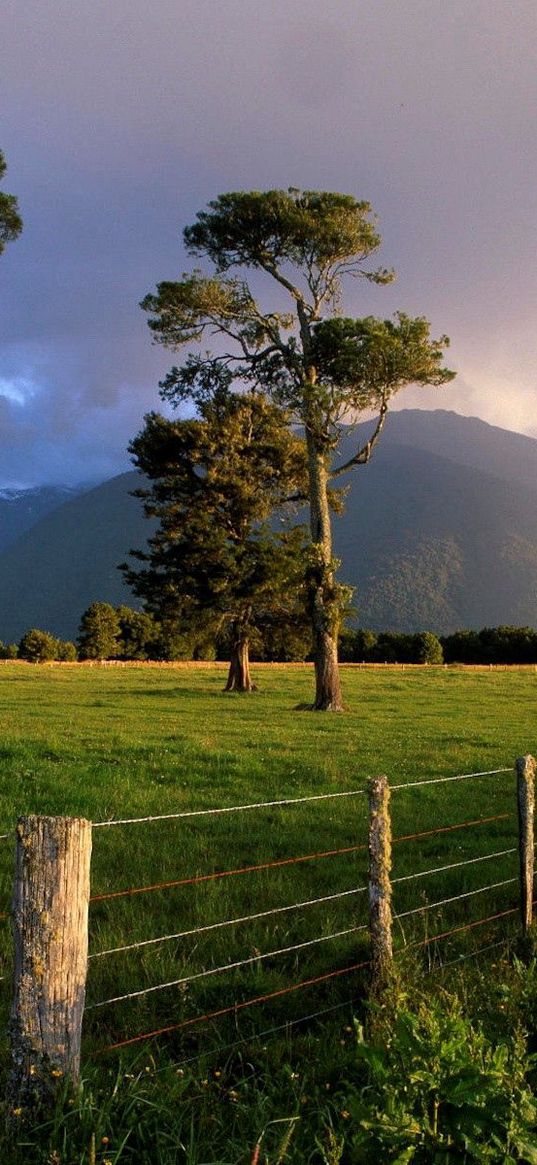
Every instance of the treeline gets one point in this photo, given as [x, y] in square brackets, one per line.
[491, 645]
[121, 633]
[108, 633]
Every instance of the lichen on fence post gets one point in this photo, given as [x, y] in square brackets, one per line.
[380, 889]
[525, 773]
[50, 922]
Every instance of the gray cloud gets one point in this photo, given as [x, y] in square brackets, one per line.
[120, 121]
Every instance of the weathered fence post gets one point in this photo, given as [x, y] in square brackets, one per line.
[525, 774]
[380, 890]
[50, 922]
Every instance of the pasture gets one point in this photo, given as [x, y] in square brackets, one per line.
[126, 742]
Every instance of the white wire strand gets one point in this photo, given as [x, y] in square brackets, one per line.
[454, 866]
[227, 922]
[296, 947]
[287, 801]
[229, 809]
[228, 967]
[219, 1052]
[293, 906]
[455, 898]
[471, 955]
[444, 780]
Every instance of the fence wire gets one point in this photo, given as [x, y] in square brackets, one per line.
[289, 801]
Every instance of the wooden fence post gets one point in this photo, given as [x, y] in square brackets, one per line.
[50, 922]
[525, 773]
[380, 890]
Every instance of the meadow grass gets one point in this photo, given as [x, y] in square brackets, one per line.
[112, 742]
[108, 742]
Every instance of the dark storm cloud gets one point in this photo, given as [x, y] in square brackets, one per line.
[120, 120]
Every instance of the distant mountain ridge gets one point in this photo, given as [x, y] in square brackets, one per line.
[20, 509]
[440, 532]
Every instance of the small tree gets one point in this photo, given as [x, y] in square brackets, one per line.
[138, 634]
[38, 646]
[322, 371]
[9, 650]
[66, 651]
[10, 219]
[215, 560]
[428, 648]
[99, 632]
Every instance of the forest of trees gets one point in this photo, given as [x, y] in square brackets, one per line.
[121, 633]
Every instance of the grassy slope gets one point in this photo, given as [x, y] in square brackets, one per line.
[114, 742]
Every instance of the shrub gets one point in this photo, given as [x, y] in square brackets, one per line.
[9, 650]
[66, 651]
[99, 632]
[427, 648]
[38, 646]
[438, 1089]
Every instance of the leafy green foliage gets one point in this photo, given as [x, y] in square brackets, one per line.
[38, 646]
[10, 219]
[318, 371]
[216, 482]
[99, 632]
[366, 361]
[492, 645]
[9, 650]
[138, 634]
[439, 1090]
[310, 229]
[362, 646]
[66, 651]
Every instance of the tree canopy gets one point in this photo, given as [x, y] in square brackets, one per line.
[322, 368]
[10, 219]
[215, 560]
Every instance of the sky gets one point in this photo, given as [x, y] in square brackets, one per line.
[120, 119]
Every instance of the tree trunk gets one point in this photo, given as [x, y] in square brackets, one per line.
[323, 598]
[239, 679]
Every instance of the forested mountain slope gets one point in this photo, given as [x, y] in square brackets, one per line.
[440, 532]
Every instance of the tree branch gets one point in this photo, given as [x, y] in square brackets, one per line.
[363, 455]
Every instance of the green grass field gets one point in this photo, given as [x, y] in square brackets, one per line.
[113, 742]
[108, 742]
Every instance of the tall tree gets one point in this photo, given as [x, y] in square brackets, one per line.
[10, 219]
[99, 632]
[325, 370]
[216, 482]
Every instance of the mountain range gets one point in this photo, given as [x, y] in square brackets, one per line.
[439, 533]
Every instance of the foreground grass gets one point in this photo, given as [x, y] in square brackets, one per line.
[115, 742]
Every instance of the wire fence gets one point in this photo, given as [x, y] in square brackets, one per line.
[249, 960]
[300, 907]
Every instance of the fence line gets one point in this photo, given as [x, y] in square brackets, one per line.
[230, 922]
[453, 866]
[455, 898]
[229, 809]
[282, 950]
[295, 906]
[229, 966]
[199, 878]
[295, 987]
[235, 1007]
[383, 859]
[446, 780]
[467, 926]
[287, 801]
